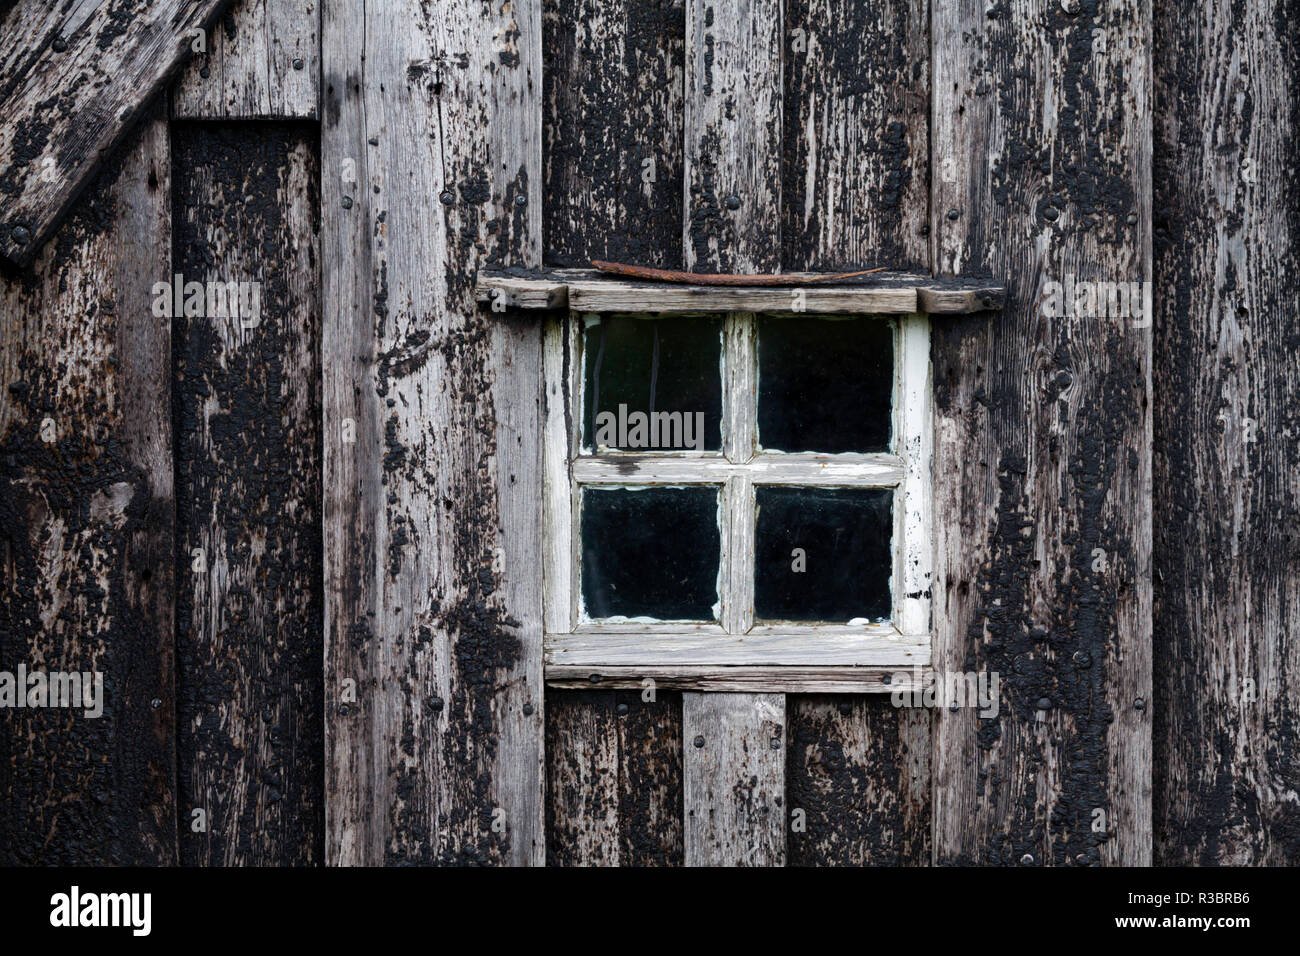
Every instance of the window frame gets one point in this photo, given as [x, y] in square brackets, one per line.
[676, 650]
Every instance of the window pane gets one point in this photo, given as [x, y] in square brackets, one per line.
[652, 384]
[822, 554]
[825, 385]
[651, 552]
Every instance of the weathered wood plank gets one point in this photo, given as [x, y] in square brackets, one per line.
[249, 628]
[866, 470]
[855, 176]
[87, 552]
[431, 168]
[872, 645]
[733, 136]
[75, 76]
[1227, 427]
[612, 115]
[734, 791]
[582, 760]
[615, 778]
[1043, 434]
[616, 297]
[856, 193]
[739, 678]
[650, 777]
[613, 131]
[589, 290]
[262, 61]
[734, 770]
[859, 783]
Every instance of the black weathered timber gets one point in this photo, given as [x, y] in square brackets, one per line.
[86, 525]
[613, 99]
[614, 779]
[612, 133]
[858, 777]
[855, 161]
[1042, 448]
[247, 412]
[1227, 433]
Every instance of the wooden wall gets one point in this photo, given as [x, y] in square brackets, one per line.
[355, 674]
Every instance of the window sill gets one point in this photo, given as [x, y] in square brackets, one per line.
[849, 658]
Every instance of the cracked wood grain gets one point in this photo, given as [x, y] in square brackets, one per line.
[430, 169]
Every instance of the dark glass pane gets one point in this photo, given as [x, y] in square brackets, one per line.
[825, 385]
[652, 384]
[843, 571]
[650, 552]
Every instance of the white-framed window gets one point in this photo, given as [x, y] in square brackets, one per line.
[736, 490]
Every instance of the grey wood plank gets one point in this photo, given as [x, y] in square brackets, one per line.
[1227, 430]
[734, 792]
[1043, 435]
[613, 131]
[734, 770]
[87, 556]
[733, 136]
[247, 391]
[262, 62]
[431, 168]
[855, 194]
[73, 84]
[855, 175]
[742, 678]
